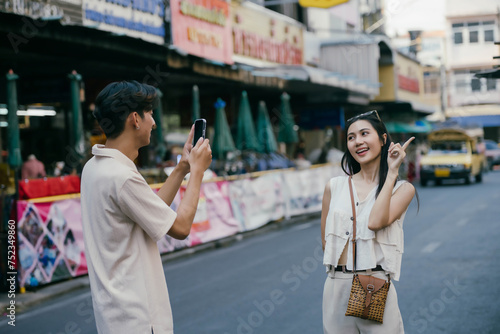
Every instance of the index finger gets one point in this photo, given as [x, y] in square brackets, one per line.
[191, 135]
[405, 145]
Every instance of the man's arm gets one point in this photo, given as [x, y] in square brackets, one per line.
[199, 160]
[169, 189]
[187, 208]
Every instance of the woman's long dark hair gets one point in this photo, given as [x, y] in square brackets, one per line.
[350, 166]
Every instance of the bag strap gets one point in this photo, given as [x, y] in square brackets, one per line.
[354, 230]
[353, 227]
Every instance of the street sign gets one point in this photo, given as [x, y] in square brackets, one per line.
[321, 3]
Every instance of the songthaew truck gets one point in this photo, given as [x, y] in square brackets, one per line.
[453, 154]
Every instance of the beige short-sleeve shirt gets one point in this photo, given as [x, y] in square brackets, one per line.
[122, 221]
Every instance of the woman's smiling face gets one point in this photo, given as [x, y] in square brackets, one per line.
[363, 141]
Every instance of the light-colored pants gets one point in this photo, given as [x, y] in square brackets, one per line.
[335, 298]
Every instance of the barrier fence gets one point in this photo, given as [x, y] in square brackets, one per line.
[50, 237]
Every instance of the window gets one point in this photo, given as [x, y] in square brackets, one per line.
[461, 85]
[488, 36]
[431, 82]
[461, 81]
[475, 84]
[491, 84]
[457, 25]
[458, 38]
[473, 36]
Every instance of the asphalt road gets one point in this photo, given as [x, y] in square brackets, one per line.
[272, 283]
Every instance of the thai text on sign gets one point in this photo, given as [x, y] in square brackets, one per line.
[250, 44]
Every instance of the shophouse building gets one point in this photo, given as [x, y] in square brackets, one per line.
[472, 28]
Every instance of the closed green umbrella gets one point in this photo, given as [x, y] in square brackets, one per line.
[246, 138]
[196, 103]
[223, 141]
[287, 133]
[158, 132]
[265, 133]
[76, 134]
[14, 159]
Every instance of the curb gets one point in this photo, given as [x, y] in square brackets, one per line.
[228, 241]
[29, 299]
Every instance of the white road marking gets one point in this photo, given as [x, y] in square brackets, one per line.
[301, 227]
[431, 247]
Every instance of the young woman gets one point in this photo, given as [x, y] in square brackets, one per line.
[381, 201]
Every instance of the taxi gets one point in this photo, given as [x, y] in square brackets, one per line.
[453, 154]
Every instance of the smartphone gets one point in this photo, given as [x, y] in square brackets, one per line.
[200, 127]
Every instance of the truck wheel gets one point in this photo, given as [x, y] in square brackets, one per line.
[438, 182]
[467, 179]
[423, 182]
[479, 178]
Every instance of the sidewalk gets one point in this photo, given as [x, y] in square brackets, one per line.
[32, 298]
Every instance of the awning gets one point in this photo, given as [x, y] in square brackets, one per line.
[423, 108]
[405, 106]
[489, 74]
[484, 120]
[473, 110]
[319, 76]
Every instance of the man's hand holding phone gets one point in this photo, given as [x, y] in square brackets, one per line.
[200, 157]
[200, 128]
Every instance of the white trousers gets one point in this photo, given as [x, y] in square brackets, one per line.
[335, 298]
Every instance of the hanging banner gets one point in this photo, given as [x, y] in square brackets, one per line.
[50, 235]
[202, 28]
[262, 36]
[140, 19]
[214, 217]
[305, 188]
[50, 242]
[68, 11]
[257, 202]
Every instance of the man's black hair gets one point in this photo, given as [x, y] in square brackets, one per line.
[118, 100]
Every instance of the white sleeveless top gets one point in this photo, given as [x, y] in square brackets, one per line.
[384, 247]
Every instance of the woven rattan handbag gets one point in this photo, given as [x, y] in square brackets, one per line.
[368, 293]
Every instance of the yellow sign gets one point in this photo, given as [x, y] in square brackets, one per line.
[321, 3]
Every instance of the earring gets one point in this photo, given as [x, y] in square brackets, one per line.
[137, 127]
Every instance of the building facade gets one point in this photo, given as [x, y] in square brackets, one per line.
[472, 28]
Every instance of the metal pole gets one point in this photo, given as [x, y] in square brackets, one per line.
[14, 158]
[76, 133]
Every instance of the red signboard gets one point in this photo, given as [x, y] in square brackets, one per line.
[203, 28]
[408, 84]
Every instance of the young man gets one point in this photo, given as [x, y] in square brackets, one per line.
[123, 218]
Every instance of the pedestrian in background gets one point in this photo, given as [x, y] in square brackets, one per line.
[381, 202]
[32, 168]
[123, 218]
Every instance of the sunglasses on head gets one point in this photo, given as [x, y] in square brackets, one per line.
[372, 113]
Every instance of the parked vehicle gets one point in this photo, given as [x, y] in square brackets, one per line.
[453, 154]
[492, 153]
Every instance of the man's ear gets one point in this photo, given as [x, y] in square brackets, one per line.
[133, 118]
